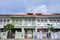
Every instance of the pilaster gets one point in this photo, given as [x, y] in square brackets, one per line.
[23, 33]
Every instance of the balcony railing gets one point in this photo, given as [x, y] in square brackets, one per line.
[44, 25]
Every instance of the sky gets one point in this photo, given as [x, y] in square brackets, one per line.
[32, 6]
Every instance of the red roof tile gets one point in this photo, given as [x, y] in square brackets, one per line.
[30, 14]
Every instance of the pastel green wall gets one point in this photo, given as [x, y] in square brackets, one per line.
[23, 18]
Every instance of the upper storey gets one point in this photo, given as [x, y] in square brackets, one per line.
[30, 19]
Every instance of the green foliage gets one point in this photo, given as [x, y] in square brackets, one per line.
[9, 27]
[51, 27]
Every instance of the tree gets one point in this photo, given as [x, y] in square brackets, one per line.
[9, 27]
[51, 28]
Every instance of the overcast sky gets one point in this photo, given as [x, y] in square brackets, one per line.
[25, 6]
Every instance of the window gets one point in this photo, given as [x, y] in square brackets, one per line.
[25, 20]
[33, 22]
[29, 20]
[0, 20]
[58, 20]
[50, 20]
[13, 20]
[54, 20]
[25, 23]
[8, 20]
[16, 20]
[4, 20]
[20, 20]
[38, 20]
[45, 20]
[41, 20]
[20, 23]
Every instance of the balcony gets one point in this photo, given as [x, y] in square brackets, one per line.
[26, 24]
[56, 25]
[44, 25]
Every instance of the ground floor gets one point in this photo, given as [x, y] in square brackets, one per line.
[29, 33]
[29, 39]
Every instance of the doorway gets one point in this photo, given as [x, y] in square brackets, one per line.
[29, 33]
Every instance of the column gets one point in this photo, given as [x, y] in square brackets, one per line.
[2, 23]
[23, 22]
[36, 29]
[23, 33]
[6, 22]
[10, 20]
[35, 34]
[36, 25]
